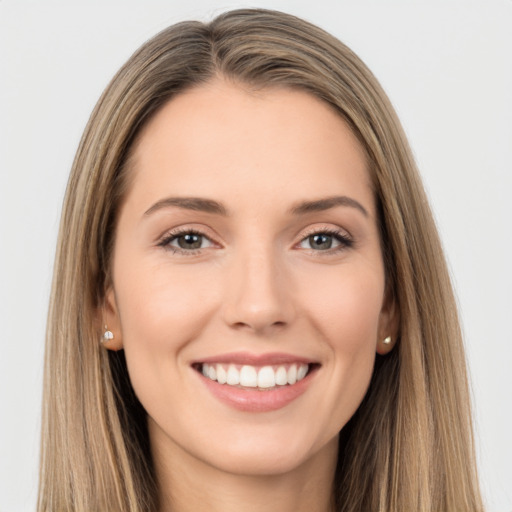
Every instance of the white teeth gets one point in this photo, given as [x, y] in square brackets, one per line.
[233, 377]
[266, 377]
[292, 374]
[301, 372]
[248, 376]
[222, 376]
[281, 376]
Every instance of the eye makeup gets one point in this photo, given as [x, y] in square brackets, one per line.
[192, 241]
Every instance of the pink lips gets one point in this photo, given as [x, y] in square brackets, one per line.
[256, 359]
[253, 399]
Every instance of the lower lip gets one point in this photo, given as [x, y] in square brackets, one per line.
[253, 400]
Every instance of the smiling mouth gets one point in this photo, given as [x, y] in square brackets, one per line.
[263, 378]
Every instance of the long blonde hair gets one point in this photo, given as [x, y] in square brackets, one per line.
[409, 447]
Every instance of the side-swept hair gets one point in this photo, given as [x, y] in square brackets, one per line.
[409, 447]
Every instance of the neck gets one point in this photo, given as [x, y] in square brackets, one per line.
[187, 484]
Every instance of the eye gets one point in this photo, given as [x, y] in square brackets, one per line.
[320, 241]
[186, 241]
[325, 241]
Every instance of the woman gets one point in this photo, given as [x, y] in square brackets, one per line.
[244, 219]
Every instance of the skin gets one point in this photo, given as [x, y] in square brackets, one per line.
[257, 284]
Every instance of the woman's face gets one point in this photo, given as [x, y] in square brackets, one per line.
[247, 249]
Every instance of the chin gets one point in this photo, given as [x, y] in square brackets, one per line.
[252, 456]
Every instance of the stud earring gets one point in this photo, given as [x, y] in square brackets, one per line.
[107, 335]
[387, 340]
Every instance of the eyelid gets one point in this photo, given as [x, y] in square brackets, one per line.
[324, 228]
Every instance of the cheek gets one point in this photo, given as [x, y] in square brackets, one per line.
[162, 309]
[158, 303]
[346, 312]
[345, 305]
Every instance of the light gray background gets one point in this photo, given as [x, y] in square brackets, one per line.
[446, 65]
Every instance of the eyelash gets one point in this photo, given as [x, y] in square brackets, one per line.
[345, 241]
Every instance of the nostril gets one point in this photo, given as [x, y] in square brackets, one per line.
[259, 326]
[257, 300]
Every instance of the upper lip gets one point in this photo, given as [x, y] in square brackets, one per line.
[246, 358]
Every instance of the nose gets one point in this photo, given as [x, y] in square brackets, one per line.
[258, 294]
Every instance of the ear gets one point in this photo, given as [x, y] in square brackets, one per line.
[110, 321]
[389, 321]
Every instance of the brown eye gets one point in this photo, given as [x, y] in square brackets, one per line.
[186, 241]
[320, 241]
[190, 241]
[326, 241]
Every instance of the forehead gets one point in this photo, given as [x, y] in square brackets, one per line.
[222, 139]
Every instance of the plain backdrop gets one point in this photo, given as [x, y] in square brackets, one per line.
[447, 67]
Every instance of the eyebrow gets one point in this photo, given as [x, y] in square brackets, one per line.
[211, 206]
[327, 203]
[189, 203]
